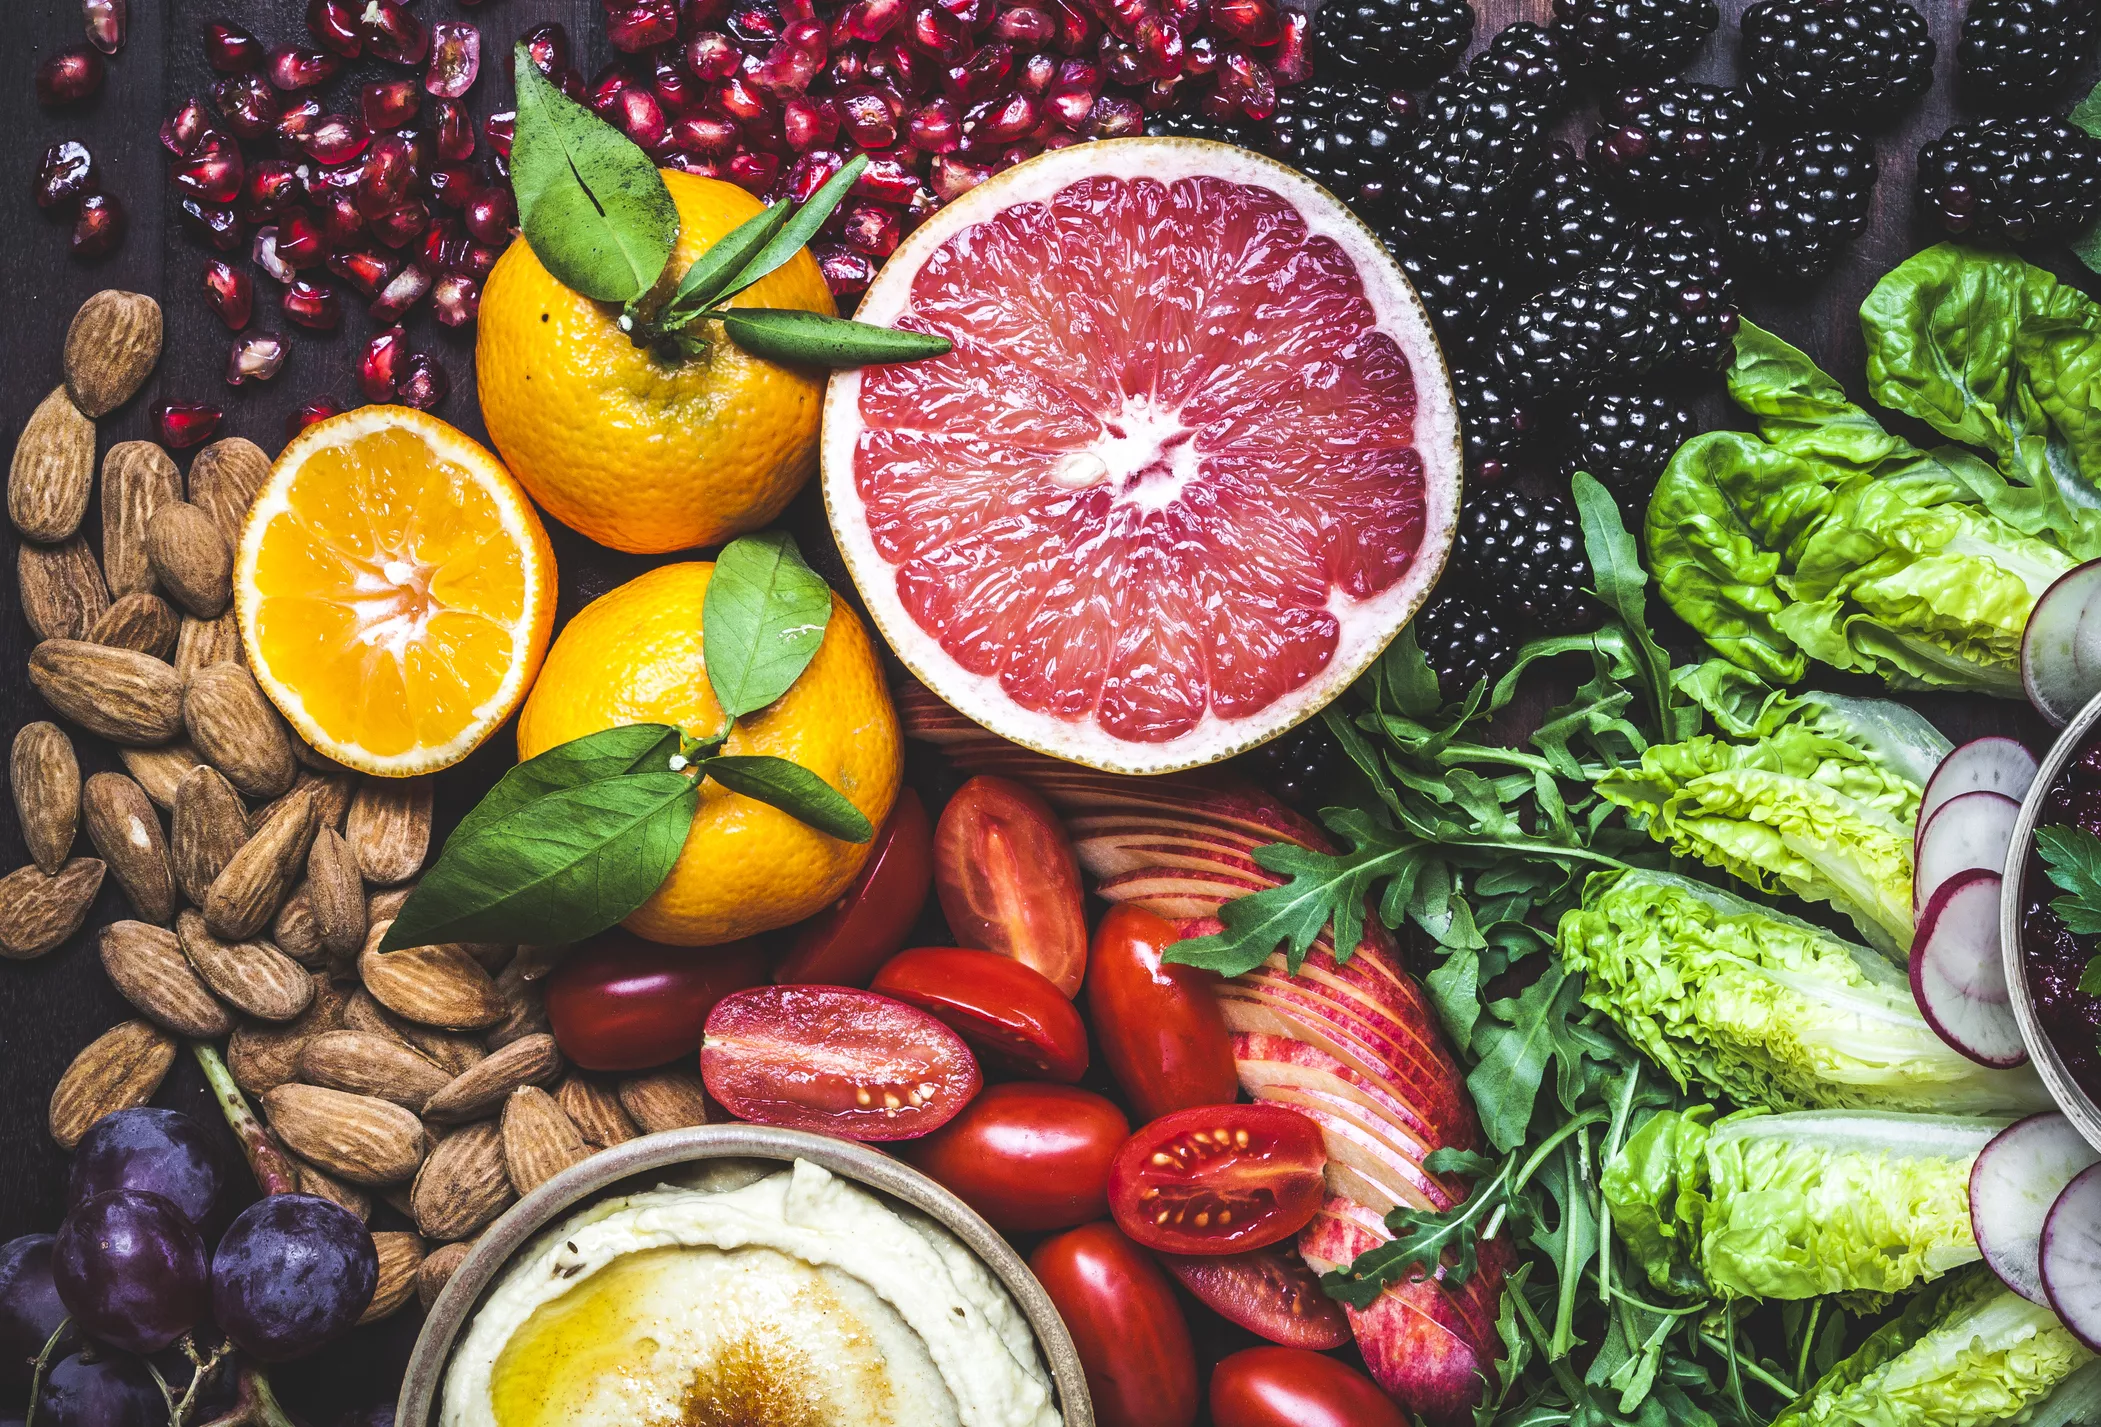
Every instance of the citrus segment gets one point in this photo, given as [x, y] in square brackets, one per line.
[1192, 462]
[395, 590]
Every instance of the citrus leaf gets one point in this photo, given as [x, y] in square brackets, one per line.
[812, 340]
[791, 239]
[591, 204]
[714, 270]
[631, 748]
[761, 621]
[795, 790]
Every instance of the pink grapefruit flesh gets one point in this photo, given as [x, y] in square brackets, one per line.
[1192, 463]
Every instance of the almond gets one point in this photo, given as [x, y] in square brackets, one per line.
[538, 1140]
[335, 894]
[53, 472]
[400, 1257]
[125, 829]
[389, 828]
[526, 1008]
[664, 1100]
[313, 758]
[482, 1090]
[371, 1065]
[439, 1265]
[251, 976]
[431, 985]
[47, 792]
[201, 643]
[120, 1068]
[384, 904]
[332, 792]
[361, 1138]
[208, 827]
[264, 1056]
[146, 965]
[142, 622]
[191, 559]
[121, 694]
[138, 478]
[238, 731]
[63, 596]
[463, 1185]
[224, 481]
[245, 895]
[295, 934]
[160, 771]
[38, 911]
[595, 1111]
[111, 347]
[454, 1054]
[324, 1185]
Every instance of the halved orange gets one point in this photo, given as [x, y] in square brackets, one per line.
[395, 589]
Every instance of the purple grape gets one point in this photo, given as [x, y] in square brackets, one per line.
[291, 1272]
[163, 1152]
[112, 1390]
[29, 1308]
[132, 1270]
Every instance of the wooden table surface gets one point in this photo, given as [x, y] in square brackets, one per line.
[51, 1007]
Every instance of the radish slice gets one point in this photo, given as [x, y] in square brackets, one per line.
[1957, 975]
[2015, 1180]
[1983, 765]
[2071, 1256]
[1971, 830]
[2061, 647]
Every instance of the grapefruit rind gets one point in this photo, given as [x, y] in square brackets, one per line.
[1367, 626]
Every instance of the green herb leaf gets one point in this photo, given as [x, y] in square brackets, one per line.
[591, 204]
[762, 620]
[793, 789]
[559, 868]
[631, 748]
[2072, 856]
[790, 240]
[812, 340]
[714, 270]
[1421, 1241]
[1615, 563]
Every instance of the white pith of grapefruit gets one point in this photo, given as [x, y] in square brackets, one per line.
[1193, 462]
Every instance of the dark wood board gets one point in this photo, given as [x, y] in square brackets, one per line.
[51, 1007]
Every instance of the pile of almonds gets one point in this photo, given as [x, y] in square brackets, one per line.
[261, 875]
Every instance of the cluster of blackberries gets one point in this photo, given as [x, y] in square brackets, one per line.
[1518, 570]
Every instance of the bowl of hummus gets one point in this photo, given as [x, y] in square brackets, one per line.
[743, 1276]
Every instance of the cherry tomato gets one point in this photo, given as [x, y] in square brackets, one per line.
[1158, 1025]
[1008, 1012]
[837, 1061]
[1008, 881]
[1219, 1179]
[845, 943]
[1028, 1157]
[622, 1003]
[1291, 1387]
[1129, 1330]
[1267, 1291]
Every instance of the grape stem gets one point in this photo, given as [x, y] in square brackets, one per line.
[202, 1370]
[254, 1404]
[43, 1366]
[274, 1171]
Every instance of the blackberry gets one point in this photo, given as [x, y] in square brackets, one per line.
[1494, 425]
[1808, 198]
[1567, 223]
[1462, 172]
[1463, 295]
[1300, 766]
[1395, 42]
[1608, 323]
[1625, 436]
[2018, 179]
[1692, 280]
[1523, 66]
[2020, 53]
[1524, 557]
[1464, 645]
[1855, 60]
[1675, 145]
[1343, 135]
[1193, 124]
[1628, 41]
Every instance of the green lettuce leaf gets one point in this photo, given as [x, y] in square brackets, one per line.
[1745, 706]
[1655, 1188]
[1766, 1010]
[1803, 412]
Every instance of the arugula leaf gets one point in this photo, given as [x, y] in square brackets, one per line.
[2072, 857]
[810, 339]
[631, 748]
[1324, 888]
[762, 620]
[793, 789]
[1615, 563]
[1423, 1242]
[1516, 1040]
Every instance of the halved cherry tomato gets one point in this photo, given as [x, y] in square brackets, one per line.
[1159, 1025]
[621, 1003]
[1290, 1387]
[1129, 1330]
[1008, 1012]
[1219, 1179]
[1008, 881]
[837, 1061]
[1028, 1157]
[1270, 1292]
[845, 943]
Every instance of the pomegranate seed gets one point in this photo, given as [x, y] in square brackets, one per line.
[810, 173]
[935, 127]
[99, 226]
[499, 130]
[868, 119]
[455, 60]
[229, 292]
[402, 292]
[1037, 73]
[229, 49]
[1114, 117]
[296, 122]
[265, 254]
[1251, 22]
[312, 414]
[1077, 30]
[311, 304]
[392, 34]
[333, 24]
[184, 130]
[809, 124]
[294, 67]
[456, 298]
[548, 48]
[754, 172]
[845, 271]
[299, 241]
[939, 34]
[1071, 110]
[69, 75]
[756, 25]
[981, 76]
[700, 14]
[385, 175]
[423, 382]
[887, 180]
[870, 20]
[337, 139]
[363, 268]
[904, 69]
[379, 368]
[65, 174]
[641, 117]
[1025, 25]
[454, 186]
[273, 186]
[341, 222]
[421, 148]
[388, 103]
[452, 128]
[795, 60]
[1244, 83]
[704, 134]
[399, 227]
[693, 164]
[872, 229]
[214, 224]
[712, 56]
[477, 261]
[1200, 56]
[632, 28]
[105, 20]
[445, 246]
[183, 424]
[1290, 59]
[676, 89]
[489, 215]
[247, 103]
[258, 357]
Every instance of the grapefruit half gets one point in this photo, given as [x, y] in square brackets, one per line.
[1192, 464]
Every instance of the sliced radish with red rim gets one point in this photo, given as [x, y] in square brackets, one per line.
[1971, 830]
[2013, 1183]
[1958, 976]
[2061, 647]
[2071, 1256]
[1983, 765]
